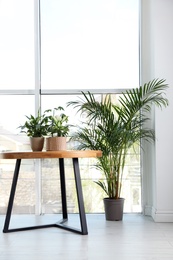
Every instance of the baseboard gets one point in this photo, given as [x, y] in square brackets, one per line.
[158, 216]
[162, 216]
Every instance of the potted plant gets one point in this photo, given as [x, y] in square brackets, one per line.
[35, 127]
[114, 129]
[57, 128]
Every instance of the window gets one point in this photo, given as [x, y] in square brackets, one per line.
[17, 44]
[90, 44]
[85, 45]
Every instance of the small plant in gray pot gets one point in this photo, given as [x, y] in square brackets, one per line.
[36, 128]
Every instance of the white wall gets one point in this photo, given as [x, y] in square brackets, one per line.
[157, 62]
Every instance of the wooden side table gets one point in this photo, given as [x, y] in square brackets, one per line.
[74, 155]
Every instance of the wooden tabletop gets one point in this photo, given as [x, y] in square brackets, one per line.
[50, 154]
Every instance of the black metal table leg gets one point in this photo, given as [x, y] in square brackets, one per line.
[80, 196]
[63, 188]
[12, 194]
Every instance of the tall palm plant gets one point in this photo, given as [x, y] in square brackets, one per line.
[114, 129]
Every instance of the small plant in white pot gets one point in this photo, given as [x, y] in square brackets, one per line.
[35, 127]
[57, 128]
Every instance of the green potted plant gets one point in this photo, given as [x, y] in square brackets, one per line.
[57, 128]
[114, 129]
[35, 127]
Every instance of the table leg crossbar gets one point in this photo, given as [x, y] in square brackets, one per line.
[61, 223]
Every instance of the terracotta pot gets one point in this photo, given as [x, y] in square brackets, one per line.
[114, 209]
[56, 143]
[37, 143]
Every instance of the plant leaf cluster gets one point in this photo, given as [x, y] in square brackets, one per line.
[115, 128]
[34, 126]
[49, 123]
[57, 124]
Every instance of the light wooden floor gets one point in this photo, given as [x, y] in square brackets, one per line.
[137, 237]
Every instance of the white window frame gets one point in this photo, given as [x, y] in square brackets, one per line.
[37, 92]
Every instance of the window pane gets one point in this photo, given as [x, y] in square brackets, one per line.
[25, 193]
[13, 110]
[90, 44]
[93, 194]
[16, 44]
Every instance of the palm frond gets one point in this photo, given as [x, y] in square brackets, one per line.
[114, 129]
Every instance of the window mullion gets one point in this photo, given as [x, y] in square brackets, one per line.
[37, 47]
